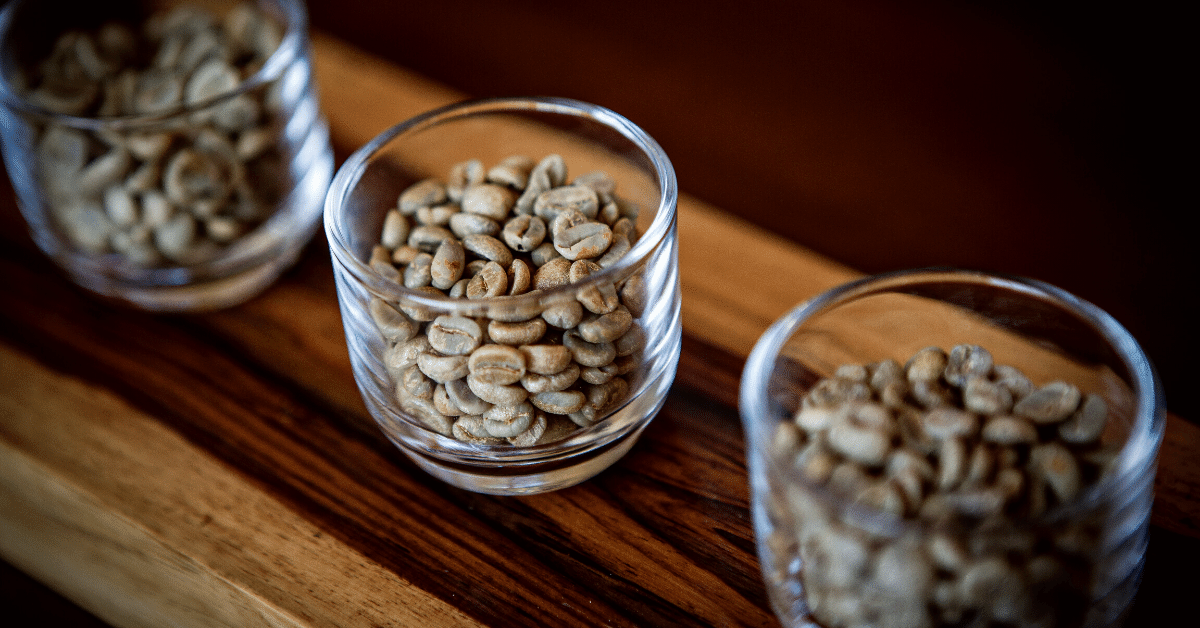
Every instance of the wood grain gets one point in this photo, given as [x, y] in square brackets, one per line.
[67, 444]
[220, 469]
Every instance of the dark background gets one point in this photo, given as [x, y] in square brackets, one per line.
[1004, 136]
[1050, 142]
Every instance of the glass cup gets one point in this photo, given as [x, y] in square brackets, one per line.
[889, 513]
[165, 156]
[495, 392]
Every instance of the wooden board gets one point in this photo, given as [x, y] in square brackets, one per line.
[220, 469]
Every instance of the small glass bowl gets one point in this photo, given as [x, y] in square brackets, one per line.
[588, 138]
[829, 559]
[180, 175]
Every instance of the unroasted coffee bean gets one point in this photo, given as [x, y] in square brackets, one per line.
[983, 396]
[883, 496]
[402, 255]
[930, 393]
[496, 394]
[588, 353]
[489, 201]
[425, 193]
[443, 368]
[492, 281]
[404, 354]
[946, 422]
[1012, 380]
[471, 429]
[454, 335]
[563, 314]
[633, 295]
[524, 233]
[599, 298]
[603, 396]
[447, 265]
[546, 359]
[489, 235]
[395, 230]
[559, 402]
[553, 274]
[218, 191]
[512, 172]
[1087, 423]
[535, 432]
[569, 198]
[424, 411]
[835, 392]
[438, 215]
[600, 374]
[428, 238]
[463, 175]
[419, 273]
[464, 224]
[513, 310]
[607, 327]
[926, 365]
[416, 384]
[1056, 465]
[560, 380]
[1050, 403]
[420, 312]
[519, 333]
[442, 402]
[952, 463]
[631, 342]
[972, 449]
[600, 182]
[497, 364]
[1009, 430]
[550, 172]
[815, 419]
[616, 251]
[506, 421]
[965, 362]
[583, 241]
[862, 444]
[488, 248]
[543, 253]
[460, 393]
[392, 323]
[519, 277]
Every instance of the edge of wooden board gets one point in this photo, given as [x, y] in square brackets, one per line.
[124, 516]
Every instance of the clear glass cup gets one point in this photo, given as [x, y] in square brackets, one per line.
[645, 280]
[150, 171]
[835, 550]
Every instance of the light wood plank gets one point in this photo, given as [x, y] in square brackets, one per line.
[362, 95]
[121, 514]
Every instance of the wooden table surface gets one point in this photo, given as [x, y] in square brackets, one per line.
[221, 470]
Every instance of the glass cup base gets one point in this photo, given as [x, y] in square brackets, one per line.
[559, 468]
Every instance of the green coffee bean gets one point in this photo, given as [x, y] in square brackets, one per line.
[492, 234]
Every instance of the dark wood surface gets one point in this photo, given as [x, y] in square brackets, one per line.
[682, 487]
[884, 137]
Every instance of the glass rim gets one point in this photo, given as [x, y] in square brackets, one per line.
[1137, 452]
[290, 48]
[351, 172]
